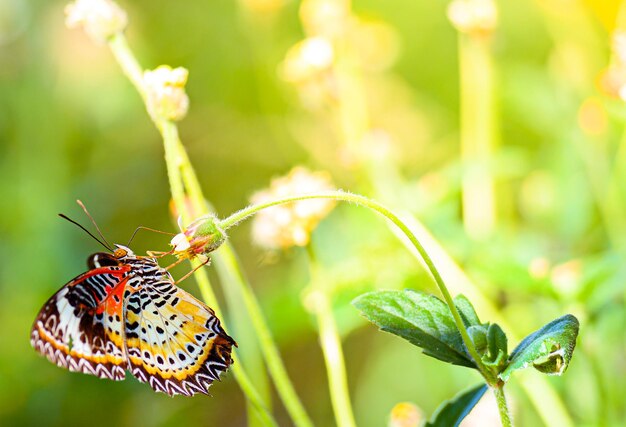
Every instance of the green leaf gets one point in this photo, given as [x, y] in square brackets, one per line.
[549, 349]
[497, 345]
[478, 335]
[466, 310]
[421, 319]
[452, 412]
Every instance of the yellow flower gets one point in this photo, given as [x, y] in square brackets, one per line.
[405, 414]
[101, 19]
[478, 17]
[165, 92]
[291, 224]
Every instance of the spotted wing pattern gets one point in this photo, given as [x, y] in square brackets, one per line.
[127, 313]
[80, 327]
[174, 342]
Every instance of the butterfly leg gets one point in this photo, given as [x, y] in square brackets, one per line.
[205, 262]
[159, 254]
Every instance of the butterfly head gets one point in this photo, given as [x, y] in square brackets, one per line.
[121, 252]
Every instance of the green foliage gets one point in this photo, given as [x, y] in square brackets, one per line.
[427, 322]
[452, 412]
[71, 126]
[549, 349]
[422, 319]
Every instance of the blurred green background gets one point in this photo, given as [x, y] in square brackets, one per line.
[71, 126]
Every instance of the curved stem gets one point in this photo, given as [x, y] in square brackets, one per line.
[364, 201]
[178, 170]
[331, 346]
[505, 416]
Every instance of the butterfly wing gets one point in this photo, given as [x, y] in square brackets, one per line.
[80, 327]
[174, 342]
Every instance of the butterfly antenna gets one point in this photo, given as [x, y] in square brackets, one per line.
[93, 222]
[141, 227]
[86, 231]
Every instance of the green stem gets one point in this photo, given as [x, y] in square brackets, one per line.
[478, 122]
[260, 410]
[331, 346]
[130, 66]
[505, 416]
[169, 131]
[258, 403]
[364, 201]
[268, 347]
[176, 160]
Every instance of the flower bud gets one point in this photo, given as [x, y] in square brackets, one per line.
[165, 92]
[101, 19]
[200, 238]
[405, 414]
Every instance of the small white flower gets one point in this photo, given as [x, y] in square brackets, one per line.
[165, 92]
[180, 242]
[308, 59]
[101, 19]
[291, 224]
[473, 16]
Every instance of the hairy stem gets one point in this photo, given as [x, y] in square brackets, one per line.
[179, 168]
[505, 416]
[364, 201]
[331, 346]
[182, 176]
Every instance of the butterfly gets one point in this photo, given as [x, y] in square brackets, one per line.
[126, 313]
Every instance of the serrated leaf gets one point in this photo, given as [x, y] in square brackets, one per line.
[466, 310]
[452, 412]
[549, 349]
[422, 319]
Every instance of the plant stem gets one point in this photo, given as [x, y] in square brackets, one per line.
[260, 410]
[178, 170]
[331, 346]
[364, 201]
[182, 176]
[505, 416]
[478, 121]
[268, 347]
[130, 66]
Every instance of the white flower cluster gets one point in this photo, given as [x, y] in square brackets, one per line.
[291, 224]
[101, 19]
[307, 59]
[165, 92]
